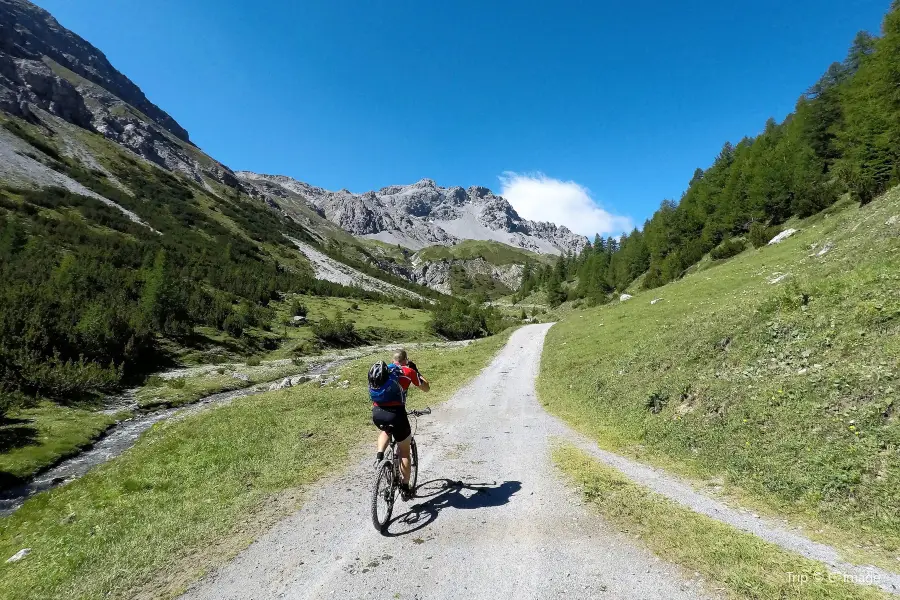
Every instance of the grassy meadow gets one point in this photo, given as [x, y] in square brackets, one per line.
[35, 437]
[773, 377]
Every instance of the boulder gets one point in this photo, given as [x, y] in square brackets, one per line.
[655, 300]
[625, 297]
[782, 236]
[241, 376]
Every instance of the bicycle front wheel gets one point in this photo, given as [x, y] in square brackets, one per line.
[413, 465]
[383, 496]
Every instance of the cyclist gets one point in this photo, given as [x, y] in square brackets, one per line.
[390, 417]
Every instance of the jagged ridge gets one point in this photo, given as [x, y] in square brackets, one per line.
[421, 214]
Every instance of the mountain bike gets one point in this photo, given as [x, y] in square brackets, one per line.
[388, 478]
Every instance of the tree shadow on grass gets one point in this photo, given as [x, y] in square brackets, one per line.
[439, 494]
[16, 434]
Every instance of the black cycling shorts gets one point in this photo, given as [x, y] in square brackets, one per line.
[393, 420]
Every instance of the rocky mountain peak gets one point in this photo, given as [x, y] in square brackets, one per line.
[479, 192]
[424, 214]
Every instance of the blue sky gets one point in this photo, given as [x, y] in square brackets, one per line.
[562, 104]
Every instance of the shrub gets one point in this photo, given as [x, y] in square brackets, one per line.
[65, 378]
[234, 325]
[597, 298]
[760, 235]
[458, 321]
[253, 361]
[336, 331]
[728, 248]
[155, 381]
[298, 309]
[11, 401]
[176, 383]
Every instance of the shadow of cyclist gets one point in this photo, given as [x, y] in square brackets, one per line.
[438, 494]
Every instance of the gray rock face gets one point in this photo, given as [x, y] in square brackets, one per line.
[30, 33]
[46, 67]
[422, 214]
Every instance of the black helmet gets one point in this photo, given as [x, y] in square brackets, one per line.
[378, 375]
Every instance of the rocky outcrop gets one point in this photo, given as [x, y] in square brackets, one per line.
[421, 214]
[29, 33]
[46, 67]
[437, 274]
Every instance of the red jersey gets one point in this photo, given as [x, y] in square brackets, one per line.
[409, 377]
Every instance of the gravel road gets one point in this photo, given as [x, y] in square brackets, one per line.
[492, 518]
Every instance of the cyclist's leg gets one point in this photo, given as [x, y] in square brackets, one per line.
[402, 432]
[383, 438]
[403, 453]
[383, 420]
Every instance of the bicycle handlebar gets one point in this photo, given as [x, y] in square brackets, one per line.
[419, 413]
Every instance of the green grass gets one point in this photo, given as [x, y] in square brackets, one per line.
[495, 253]
[747, 567]
[383, 249]
[375, 321]
[193, 492]
[786, 394]
[34, 438]
[185, 390]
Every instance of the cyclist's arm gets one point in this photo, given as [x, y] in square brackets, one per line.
[419, 381]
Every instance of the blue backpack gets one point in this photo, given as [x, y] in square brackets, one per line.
[384, 385]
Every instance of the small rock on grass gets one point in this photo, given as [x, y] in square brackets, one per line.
[19, 555]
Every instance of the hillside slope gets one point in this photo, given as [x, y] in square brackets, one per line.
[776, 373]
[124, 247]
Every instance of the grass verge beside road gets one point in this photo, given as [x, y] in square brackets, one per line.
[747, 567]
[772, 377]
[193, 492]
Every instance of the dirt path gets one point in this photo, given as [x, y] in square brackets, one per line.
[493, 519]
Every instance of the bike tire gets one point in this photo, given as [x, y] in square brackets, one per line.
[413, 465]
[383, 495]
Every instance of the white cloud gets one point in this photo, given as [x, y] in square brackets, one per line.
[540, 198]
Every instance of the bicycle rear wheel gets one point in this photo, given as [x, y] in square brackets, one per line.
[413, 465]
[383, 496]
